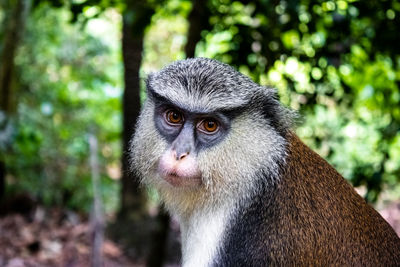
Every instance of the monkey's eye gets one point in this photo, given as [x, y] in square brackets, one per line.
[173, 117]
[208, 126]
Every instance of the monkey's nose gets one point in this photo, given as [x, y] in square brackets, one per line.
[180, 156]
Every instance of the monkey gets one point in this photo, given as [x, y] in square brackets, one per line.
[222, 153]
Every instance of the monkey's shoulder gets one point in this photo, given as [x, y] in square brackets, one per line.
[265, 235]
[312, 216]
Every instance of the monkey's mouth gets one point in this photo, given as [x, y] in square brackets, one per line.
[177, 180]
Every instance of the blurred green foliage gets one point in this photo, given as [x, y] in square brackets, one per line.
[336, 62]
[69, 80]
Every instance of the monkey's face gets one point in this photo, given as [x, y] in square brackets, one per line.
[187, 133]
[206, 133]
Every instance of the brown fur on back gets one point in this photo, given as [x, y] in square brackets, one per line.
[322, 216]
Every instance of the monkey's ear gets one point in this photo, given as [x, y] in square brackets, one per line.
[281, 118]
[270, 93]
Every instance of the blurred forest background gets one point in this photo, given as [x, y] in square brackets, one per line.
[71, 82]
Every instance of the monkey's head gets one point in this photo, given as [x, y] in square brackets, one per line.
[206, 133]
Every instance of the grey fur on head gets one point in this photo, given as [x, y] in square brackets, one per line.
[254, 147]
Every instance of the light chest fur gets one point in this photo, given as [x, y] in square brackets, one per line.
[202, 236]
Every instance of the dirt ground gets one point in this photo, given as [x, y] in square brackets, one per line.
[52, 238]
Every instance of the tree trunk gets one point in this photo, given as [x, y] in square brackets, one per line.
[14, 26]
[198, 21]
[97, 218]
[133, 199]
[2, 180]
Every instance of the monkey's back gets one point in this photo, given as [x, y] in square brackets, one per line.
[311, 217]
